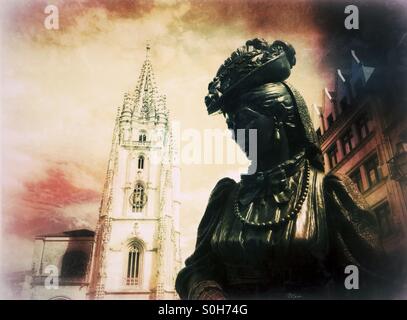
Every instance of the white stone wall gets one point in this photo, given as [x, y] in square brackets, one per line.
[117, 254]
[62, 293]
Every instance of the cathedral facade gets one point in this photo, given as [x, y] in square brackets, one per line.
[136, 246]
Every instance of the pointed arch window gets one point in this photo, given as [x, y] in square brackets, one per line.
[134, 258]
[138, 198]
[142, 137]
[140, 162]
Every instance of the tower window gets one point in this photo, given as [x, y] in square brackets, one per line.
[142, 137]
[141, 162]
[133, 267]
[138, 198]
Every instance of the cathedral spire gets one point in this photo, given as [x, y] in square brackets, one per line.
[148, 47]
[139, 194]
[146, 93]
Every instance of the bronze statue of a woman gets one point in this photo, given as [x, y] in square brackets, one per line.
[288, 230]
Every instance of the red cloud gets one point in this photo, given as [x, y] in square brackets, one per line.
[28, 18]
[56, 190]
[37, 210]
[259, 15]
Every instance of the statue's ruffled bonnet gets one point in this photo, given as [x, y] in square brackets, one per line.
[252, 65]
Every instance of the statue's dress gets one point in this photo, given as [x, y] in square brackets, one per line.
[304, 257]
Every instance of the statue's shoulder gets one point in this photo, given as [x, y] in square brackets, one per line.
[338, 180]
[222, 188]
[342, 187]
[215, 207]
[330, 179]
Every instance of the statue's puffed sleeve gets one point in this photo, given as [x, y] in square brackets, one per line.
[354, 238]
[201, 278]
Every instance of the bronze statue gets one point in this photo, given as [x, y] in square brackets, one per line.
[288, 230]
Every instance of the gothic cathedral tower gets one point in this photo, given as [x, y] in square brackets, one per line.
[137, 251]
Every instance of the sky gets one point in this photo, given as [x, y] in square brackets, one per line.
[60, 90]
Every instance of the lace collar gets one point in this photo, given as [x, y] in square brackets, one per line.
[275, 180]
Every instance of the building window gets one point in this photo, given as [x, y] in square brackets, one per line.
[333, 156]
[373, 171]
[330, 120]
[133, 267]
[401, 147]
[138, 198]
[142, 137]
[383, 215]
[357, 179]
[141, 162]
[363, 126]
[74, 264]
[347, 142]
[345, 106]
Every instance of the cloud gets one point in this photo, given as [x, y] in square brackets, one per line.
[50, 204]
[14, 255]
[27, 17]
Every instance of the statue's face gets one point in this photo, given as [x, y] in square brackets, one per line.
[270, 110]
[272, 117]
[252, 117]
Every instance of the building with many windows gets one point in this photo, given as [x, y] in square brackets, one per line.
[362, 136]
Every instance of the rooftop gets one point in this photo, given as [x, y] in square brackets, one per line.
[72, 233]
